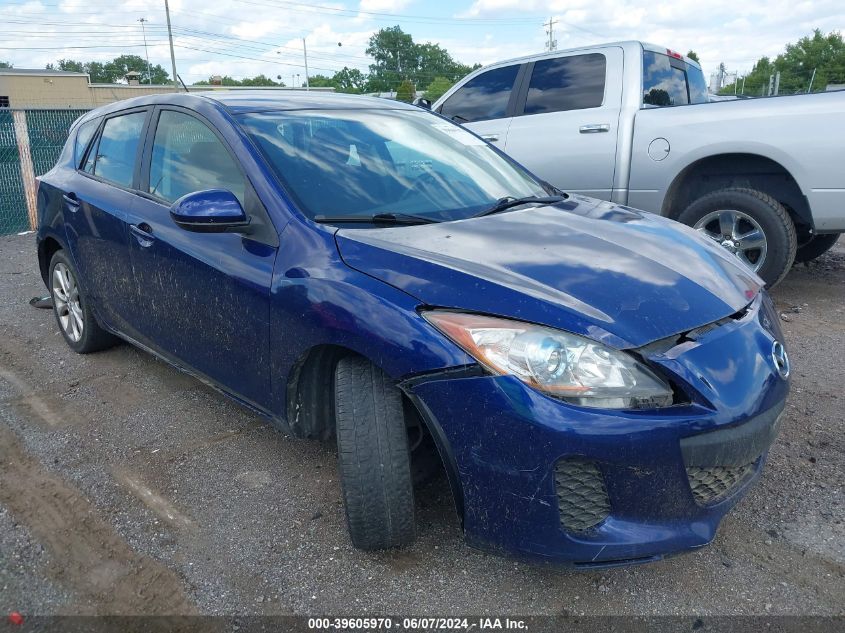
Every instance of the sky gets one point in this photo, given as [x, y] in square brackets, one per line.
[247, 37]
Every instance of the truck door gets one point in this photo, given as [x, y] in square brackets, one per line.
[483, 104]
[565, 120]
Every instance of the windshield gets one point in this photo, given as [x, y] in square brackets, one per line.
[365, 162]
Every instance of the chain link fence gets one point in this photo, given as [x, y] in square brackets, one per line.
[30, 144]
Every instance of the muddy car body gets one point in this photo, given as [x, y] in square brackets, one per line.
[601, 385]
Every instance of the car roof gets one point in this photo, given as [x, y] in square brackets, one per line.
[251, 100]
[240, 101]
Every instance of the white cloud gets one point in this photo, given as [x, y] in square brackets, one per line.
[383, 6]
[247, 37]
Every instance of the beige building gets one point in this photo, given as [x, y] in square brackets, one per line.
[21, 88]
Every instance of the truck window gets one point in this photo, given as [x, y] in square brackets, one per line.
[669, 82]
[566, 83]
[483, 97]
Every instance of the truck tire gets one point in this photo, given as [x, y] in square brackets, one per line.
[729, 216]
[375, 462]
[76, 320]
[815, 247]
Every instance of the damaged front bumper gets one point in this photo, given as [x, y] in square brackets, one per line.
[545, 480]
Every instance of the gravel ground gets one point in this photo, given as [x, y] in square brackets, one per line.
[127, 487]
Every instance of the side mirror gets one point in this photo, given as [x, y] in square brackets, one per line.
[210, 211]
[422, 102]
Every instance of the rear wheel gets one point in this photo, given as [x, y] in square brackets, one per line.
[749, 224]
[374, 458]
[76, 320]
[815, 247]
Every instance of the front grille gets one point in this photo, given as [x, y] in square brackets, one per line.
[581, 494]
[711, 485]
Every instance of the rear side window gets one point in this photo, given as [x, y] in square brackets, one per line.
[83, 137]
[669, 82]
[566, 83]
[118, 147]
[483, 97]
[188, 157]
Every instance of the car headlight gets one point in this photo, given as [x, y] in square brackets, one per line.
[564, 365]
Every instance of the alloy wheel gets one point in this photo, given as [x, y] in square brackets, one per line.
[738, 233]
[67, 303]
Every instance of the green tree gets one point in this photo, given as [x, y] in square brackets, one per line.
[259, 80]
[405, 92]
[116, 70]
[390, 48]
[321, 81]
[5, 65]
[226, 80]
[396, 57]
[349, 80]
[824, 54]
[437, 88]
[693, 56]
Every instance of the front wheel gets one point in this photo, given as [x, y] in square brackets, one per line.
[374, 458]
[750, 224]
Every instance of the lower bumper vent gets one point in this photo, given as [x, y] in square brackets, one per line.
[711, 485]
[581, 494]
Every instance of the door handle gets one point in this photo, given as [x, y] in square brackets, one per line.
[71, 201]
[490, 138]
[143, 233]
[594, 128]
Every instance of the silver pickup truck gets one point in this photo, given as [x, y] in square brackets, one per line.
[763, 177]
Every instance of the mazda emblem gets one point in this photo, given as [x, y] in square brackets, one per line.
[780, 359]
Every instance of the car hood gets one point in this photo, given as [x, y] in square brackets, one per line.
[612, 273]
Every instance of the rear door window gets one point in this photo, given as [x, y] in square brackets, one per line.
[118, 148]
[668, 81]
[83, 138]
[483, 97]
[574, 82]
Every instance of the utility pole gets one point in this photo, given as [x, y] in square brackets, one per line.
[744, 77]
[170, 37]
[777, 83]
[146, 52]
[551, 45]
[305, 55]
[810, 87]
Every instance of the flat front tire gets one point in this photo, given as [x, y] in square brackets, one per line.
[750, 224]
[76, 320]
[373, 455]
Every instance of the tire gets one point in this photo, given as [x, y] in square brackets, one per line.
[375, 463]
[754, 211]
[73, 313]
[815, 247]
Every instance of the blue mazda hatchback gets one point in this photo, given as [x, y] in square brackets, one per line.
[601, 385]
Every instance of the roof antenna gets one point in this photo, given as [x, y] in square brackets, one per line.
[183, 83]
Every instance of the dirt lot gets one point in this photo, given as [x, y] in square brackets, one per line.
[127, 487]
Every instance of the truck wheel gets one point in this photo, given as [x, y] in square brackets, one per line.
[76, 320]
[375, 462]
[750, 224]
[815, 247]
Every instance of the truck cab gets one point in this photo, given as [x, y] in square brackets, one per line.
[758, 176]
[588, 96]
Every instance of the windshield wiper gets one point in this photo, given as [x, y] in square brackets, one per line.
[378, 218]
[509, 201]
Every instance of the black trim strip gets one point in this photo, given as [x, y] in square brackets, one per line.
[737, 445]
